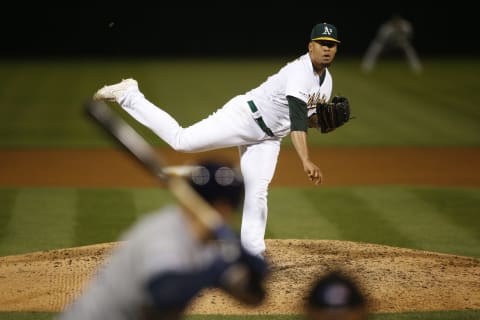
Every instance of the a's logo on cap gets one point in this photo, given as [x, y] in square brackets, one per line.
[327, 30]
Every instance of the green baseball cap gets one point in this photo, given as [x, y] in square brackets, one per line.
[324, 31]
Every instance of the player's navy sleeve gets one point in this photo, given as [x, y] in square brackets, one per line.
[298, 114]
[174, 290]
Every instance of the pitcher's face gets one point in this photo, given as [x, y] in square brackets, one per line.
[322, 53]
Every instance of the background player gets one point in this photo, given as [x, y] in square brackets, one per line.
[159, 265]
[393, 34]
[256, 122]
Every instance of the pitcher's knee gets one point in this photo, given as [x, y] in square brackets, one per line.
[181, 144]
[186, 149]
[181, 148]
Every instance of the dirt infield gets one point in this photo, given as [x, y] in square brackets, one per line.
[395, 279]
[340, 167]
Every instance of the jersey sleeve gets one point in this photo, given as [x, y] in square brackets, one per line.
[298, 82]
[298, 114]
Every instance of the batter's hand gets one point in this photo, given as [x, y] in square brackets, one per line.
[313, 172]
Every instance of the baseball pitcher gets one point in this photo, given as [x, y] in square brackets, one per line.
[290, 101]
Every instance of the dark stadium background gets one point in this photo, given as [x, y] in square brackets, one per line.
[223, 28]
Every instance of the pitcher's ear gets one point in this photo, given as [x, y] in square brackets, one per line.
[310, 45]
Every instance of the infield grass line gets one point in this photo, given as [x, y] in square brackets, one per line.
[424, 224]
[7, 203]
[333, 214]
[290, 216]
[40, 218]
[460, 207]
[112, 211]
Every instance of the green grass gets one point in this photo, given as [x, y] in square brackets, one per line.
[41, 101]
[47, 218]
[436, 219]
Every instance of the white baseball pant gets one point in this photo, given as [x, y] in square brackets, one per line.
[230, 126]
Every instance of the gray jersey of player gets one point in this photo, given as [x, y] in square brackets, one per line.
[159, 265]
[255, 122]
[162, 242]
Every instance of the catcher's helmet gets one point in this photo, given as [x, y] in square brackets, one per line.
[335, 290]
[215, 180]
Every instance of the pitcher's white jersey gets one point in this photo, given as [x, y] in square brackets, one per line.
[297, 79]
[237, 123]
[161, 242]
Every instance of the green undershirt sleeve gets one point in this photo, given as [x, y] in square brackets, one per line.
[298, 114]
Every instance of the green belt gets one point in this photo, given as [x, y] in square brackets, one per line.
[258, 118]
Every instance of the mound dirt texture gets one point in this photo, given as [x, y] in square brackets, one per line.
[394, 279]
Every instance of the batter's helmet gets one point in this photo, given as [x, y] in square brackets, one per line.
[215, 181]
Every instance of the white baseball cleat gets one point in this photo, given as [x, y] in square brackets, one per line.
[115, 91]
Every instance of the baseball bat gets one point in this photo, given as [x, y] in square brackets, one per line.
[206, 221]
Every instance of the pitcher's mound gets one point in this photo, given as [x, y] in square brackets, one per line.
[393, 279]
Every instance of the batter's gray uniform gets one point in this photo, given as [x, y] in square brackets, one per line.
[245, 121]
[161, 242]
